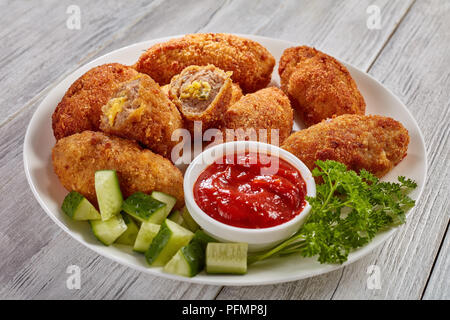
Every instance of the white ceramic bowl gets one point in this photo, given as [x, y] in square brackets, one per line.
[257, 239]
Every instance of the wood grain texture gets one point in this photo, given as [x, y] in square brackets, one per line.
[438, 286]
[408, 55]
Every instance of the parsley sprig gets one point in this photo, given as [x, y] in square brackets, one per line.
[347, 212]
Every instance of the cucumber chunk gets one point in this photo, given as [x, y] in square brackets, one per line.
[176, 217]
[145, 236]
[170, 238]
[188, 261]
[108, 231]
[189, 221]
[76, 206]
[145, 208]
[165, 198]
[226, 258]
[129, 236]
[203, 238]
[108, 193]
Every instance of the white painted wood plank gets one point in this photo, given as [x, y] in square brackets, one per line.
[438, 287]
[336, 27]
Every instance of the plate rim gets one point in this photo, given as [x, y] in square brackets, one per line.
[239, 281]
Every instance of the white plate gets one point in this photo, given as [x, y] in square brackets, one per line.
[49, 192]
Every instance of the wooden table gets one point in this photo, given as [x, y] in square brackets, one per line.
[409, 53]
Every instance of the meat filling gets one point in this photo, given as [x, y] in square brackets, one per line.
[123, 103]
[197, 89]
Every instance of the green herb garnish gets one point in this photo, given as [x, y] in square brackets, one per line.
[347, 212]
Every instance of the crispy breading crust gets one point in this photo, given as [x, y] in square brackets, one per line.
[251, 63]
[77, 157]
[80, 108]
[318, 85]
[267, 108]
[152, 122]
[236, 93]
[374, 143]
[213, 114]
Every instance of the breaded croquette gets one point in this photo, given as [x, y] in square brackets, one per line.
[267, 108]
[318, 85]
[250, 62]
[76, 158]
[80, 108]
[374, 143]
[139, 110]
[201, 93]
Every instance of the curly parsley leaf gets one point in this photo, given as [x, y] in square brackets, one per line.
[349, 209]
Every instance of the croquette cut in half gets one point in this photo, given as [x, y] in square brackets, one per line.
[250, 62]
[202, 93]
[318, 85]
[76, 158]
[80, 108]
[139, 110]
[374, 143]
[268, 109]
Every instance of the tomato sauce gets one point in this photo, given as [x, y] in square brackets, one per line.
[244, 190]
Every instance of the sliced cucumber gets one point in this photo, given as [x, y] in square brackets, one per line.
[147, 232]
[176, 217]
[170, 238]
[76, 206]
[188, 261]
[129, 236]
[226, 258]
[145, 208]
[189, 221]
[166, 198]
[108, 231]
[203, 238]
[108, 193]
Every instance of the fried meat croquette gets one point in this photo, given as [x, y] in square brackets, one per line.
[267, 108]
[139, 110]
[76, 158]
[201, 93]
[250, 62]
[80, 108]
[318, 85]
[374, 143]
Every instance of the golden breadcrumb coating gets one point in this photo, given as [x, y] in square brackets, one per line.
[165, 89]
[76, 158]
[318, 85]
[236, 93]
[201, 93]
[80, 108]
[140, 111]
[250, 62]
[374, 143]
[267, 108]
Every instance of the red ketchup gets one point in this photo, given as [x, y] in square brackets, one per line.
[244, 190]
